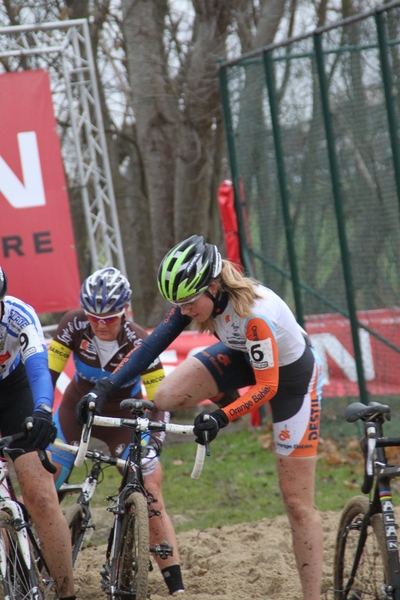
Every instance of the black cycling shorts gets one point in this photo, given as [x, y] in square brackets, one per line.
[231, 369]
[16, 404]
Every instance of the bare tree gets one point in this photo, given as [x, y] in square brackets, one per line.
[161, 105]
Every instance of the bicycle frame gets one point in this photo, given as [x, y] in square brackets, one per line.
[378, 476]
[10, 504]
[382, 502]
[125, 572]
[18, 566]
[132, 481]
[86, 489]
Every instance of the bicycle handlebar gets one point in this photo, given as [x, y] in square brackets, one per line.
[140, 424]
[91, 454]
[9, 439]
[85, 437]
[198, 462]
[6, 441]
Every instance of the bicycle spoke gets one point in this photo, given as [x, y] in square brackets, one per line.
[373, 573]
[74, 517]
[19, 581]
[129, 578]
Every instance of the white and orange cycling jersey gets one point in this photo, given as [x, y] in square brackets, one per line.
[271, 319]
[266, 351]
[271, 337]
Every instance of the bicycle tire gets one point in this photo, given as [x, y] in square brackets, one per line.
[74, 517]
[133, 551]
[19, 581]
[373, 572]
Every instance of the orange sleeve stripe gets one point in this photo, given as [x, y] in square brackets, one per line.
[124, 360]
[267, 377]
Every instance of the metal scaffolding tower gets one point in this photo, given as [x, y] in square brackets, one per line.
[63, 48]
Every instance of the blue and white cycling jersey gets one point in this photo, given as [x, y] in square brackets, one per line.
[21, 338]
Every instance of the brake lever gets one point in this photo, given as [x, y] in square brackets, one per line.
[206, 440]
[89, 422]
[46, 462]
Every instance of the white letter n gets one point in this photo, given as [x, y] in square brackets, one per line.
[31, 191]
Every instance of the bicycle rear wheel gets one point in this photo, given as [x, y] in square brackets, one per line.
[133, 558]
[74, 517]
[373, 572]
[20, 582]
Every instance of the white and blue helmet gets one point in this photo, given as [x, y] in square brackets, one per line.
[106, 290]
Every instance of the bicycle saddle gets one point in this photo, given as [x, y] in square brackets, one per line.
[137, 405]
[358, 410]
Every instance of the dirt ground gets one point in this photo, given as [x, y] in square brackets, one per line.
[240, 562]
[251, 560]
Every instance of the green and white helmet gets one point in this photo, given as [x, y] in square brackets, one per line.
[187, 270]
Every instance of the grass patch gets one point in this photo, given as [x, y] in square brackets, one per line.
[239, 481]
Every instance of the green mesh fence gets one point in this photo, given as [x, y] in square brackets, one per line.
[312, 127]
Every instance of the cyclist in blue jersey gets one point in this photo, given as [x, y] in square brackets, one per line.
[99, 336]
[259, 346]
[26, 391]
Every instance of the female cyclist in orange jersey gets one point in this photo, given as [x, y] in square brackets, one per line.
[260, 345]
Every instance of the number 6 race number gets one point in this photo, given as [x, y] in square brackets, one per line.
[261, 354]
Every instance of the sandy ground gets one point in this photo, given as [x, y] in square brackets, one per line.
[251, 560]
[240, 562]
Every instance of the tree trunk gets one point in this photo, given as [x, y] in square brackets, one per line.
[201, 108]
[155, 116]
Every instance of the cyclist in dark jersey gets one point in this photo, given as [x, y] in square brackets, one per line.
[99, 337]
[260, 345]
[26, 390]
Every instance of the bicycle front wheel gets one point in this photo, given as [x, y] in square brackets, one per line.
[20, 581]
[372, 575]
[74, 517]
[133, 556]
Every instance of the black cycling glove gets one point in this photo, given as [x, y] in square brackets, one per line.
[216, 421]
[99, 394]
[43, 431]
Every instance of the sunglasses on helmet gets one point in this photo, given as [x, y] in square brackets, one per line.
[96, 319]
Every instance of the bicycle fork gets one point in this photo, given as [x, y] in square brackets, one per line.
[20, 527]
[108, 570]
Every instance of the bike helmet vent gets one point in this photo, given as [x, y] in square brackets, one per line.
[106, 290]
[187, 270]
[3, 284]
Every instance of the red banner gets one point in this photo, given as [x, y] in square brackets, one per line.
[331, 337]
[226, 203]
[37, 249]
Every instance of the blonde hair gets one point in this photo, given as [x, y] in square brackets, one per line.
[241, 292]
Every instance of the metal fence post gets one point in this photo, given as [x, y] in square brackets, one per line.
[388, 88]
[273, 106]
[230, 136]
[340, 217]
